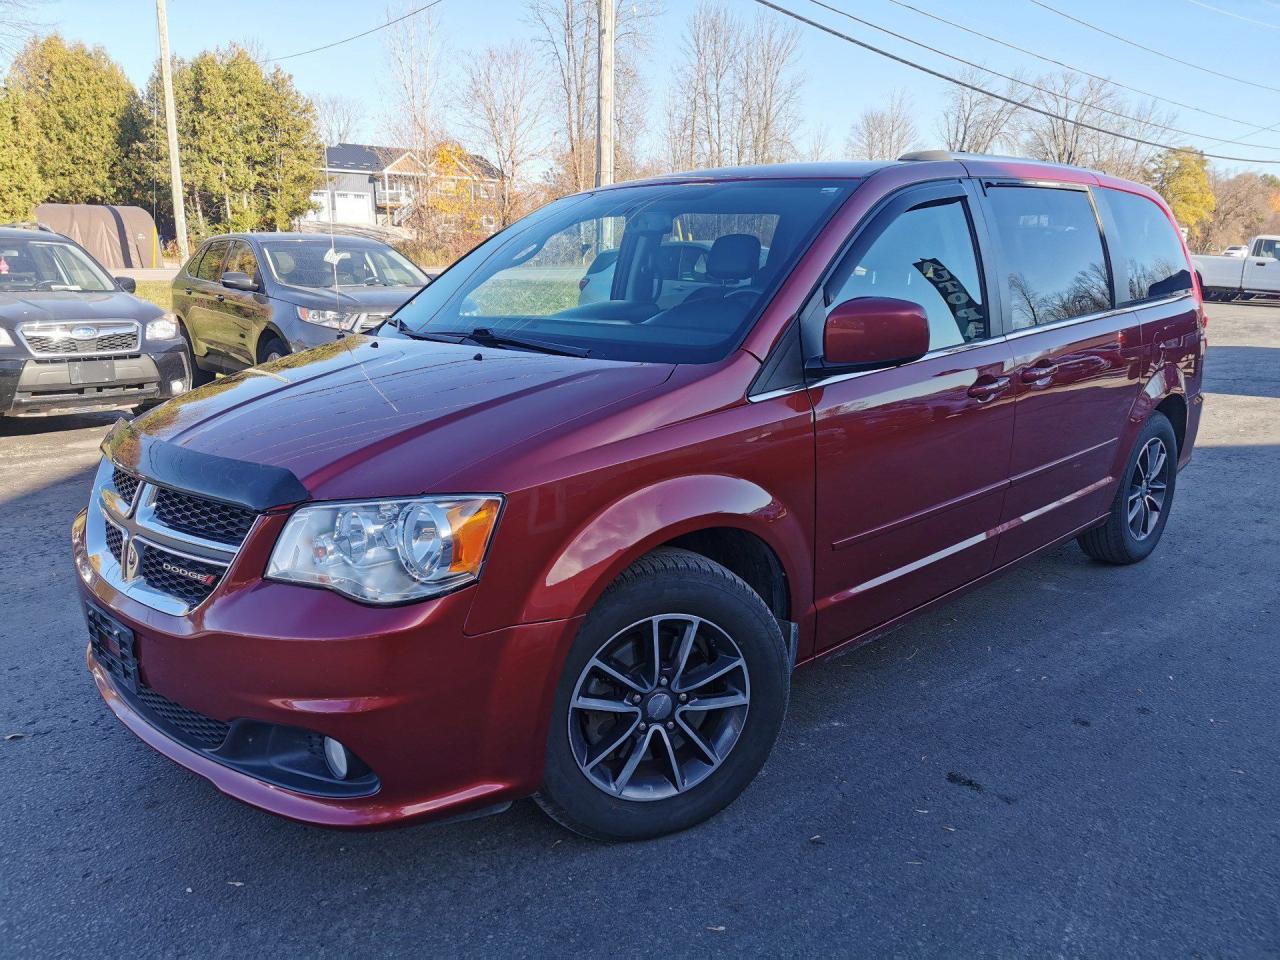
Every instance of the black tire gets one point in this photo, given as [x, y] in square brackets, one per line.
[198, 377]
[271, 348]
[1116, 540]
[675, 582]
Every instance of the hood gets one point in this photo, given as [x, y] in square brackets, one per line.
[348, 299]
[362, 418]
[63, 305]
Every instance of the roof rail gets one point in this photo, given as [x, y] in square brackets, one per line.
[28, 225]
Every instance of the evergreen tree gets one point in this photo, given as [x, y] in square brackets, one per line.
[79, 109]
[1182, 177]
[21, 188]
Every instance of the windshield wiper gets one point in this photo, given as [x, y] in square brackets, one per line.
[485, 337]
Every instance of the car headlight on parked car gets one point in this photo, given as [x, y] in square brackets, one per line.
[387, 551]
[337, 319]
[163, 327]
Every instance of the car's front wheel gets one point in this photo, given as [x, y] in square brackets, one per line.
[671, 699]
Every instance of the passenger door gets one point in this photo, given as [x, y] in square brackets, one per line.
[912, 461]
[1078, 361]
[1261, 268]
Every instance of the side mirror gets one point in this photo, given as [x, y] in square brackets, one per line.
[239, 281]
[127, 284]
[874, 332]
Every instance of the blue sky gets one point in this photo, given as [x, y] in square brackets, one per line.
[1231, 36]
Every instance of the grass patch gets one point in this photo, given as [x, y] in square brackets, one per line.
[159, 292]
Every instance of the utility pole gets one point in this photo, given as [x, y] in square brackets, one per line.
[171, 125]
[604, 95]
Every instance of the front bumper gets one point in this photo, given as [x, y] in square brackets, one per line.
[450, 724]
[30, 385]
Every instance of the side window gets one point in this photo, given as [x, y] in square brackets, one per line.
[927, 256]
[211, 263]
[1052, 254]
[1267, 248]
[1146, 251]
[241, 260]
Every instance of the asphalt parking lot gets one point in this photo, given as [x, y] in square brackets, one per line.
[1074, 761]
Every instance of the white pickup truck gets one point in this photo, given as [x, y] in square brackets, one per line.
[1257, 274]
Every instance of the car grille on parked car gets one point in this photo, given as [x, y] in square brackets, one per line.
[205, 731]
[370, 321]
[171, 548]
[200, 517]
[78, 339]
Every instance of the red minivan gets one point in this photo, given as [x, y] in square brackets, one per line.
[515, 543]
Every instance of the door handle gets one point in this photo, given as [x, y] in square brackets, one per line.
[989, 388]
[1041, 371]
[1259, 263]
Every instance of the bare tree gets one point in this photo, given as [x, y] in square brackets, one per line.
[1082, 108]
[504, 101]
[566, 32]
[737, 98]
[818, 146]
[17, 24]
[338, 118]
[974, 122]
[884, 134]
[1244, 207]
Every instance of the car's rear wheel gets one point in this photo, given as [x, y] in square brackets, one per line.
[1142, 503]
[671, 699]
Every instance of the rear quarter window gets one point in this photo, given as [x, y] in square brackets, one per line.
[1145, 251]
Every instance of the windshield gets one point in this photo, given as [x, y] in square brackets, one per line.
[49, 265]
[323, 264]
[660, 273]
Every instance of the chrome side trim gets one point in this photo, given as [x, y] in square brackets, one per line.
[968, 542]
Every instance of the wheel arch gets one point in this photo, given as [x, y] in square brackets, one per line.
[1164, 392]
[730, 520]
[269, 330]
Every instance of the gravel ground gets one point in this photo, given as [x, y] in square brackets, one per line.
[1073, 761]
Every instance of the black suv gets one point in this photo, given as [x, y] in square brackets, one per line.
[244, 299]
[73, 338]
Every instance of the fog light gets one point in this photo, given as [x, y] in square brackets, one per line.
[335, 756]
[177, 386]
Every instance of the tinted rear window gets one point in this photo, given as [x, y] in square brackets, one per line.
[1051, 254]
[1146, 252]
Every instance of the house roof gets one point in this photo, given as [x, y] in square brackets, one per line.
[367, 158]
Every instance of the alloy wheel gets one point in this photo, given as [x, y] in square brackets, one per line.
[1148, 487]
[659, 707]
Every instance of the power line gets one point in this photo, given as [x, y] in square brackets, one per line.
[357, 36]
[1256, 128]
[1158, 53]
[985, 92]
[1026, 83]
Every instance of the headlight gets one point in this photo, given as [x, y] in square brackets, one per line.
[330, 318]
[386, 551]
[5, 339]
[164, 327]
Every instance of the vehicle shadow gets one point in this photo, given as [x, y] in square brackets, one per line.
[36, 426]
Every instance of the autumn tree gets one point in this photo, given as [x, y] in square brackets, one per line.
[503, 113]
[884, 133]
[78, 113]
[1244, 205]
[1181, 176]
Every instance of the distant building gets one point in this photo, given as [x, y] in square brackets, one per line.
[375, 186]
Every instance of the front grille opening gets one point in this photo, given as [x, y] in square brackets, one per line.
[126, 484]
[199, 517]
[196, 727]
[115, 542]
[107, 343]
[187, 579]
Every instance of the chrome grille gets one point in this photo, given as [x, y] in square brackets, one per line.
[75, 338]
[370, 321]
[168, 549]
